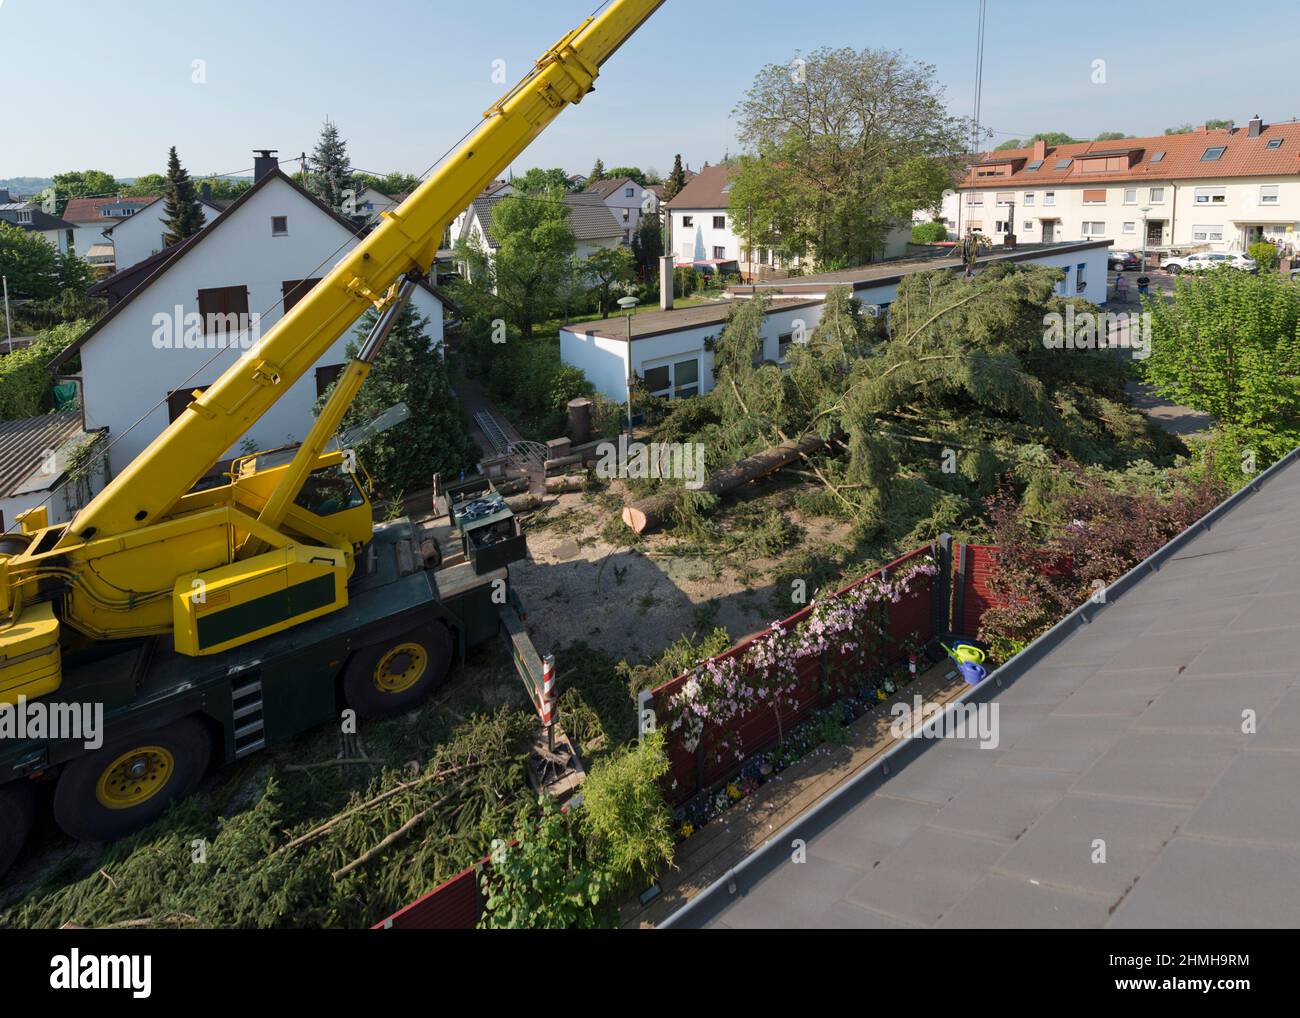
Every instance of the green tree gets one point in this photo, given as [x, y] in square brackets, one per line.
[928, 233]
[82, 184]
[624, 813]
[224, 188]
[537, 181]
[597, 172]
[604, 269]
[1112, 136]
[1265, 255]
[26, 386]
[35, 268]
[634, 172]
[151, 185]
[331, 171]
[529, 275]
[1180, 129]
[1053, 138]
[182, 211]
[435, 438]
[1229, 346]
[1010, 143]
[854, 144]
[676, 179]
[648, 244]
[391, 185]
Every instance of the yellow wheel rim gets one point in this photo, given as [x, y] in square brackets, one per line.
[401, 668]
[135, 777]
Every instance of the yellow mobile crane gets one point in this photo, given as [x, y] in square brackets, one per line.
[243, 614]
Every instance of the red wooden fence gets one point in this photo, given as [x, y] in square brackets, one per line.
[974, 567]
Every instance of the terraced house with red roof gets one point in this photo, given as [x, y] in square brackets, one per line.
[1210, 189]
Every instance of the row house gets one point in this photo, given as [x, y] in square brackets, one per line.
[1210, 189]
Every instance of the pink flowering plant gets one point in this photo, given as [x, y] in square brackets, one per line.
[849, 627]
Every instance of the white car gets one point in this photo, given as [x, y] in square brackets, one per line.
[1208, 260]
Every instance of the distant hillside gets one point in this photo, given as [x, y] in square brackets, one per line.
[25, 185]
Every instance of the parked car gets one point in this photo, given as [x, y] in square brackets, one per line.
[1124, 260]
[1208, 260]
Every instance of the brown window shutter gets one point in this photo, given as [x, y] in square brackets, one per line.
[294, 290]
[325, 377]
[1096, 195]
[222, 300]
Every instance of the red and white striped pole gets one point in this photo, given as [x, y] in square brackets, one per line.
[547, 707]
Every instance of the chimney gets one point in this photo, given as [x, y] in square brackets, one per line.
[205, 191]
[264, 162]
[1254, 127]
[1040, 149]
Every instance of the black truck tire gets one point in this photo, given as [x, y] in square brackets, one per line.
[394, 675]
[17, 811]
[129, 783]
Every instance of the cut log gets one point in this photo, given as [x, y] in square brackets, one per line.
[513, 485]
[523, 503]
[650, 513]
[567, 482]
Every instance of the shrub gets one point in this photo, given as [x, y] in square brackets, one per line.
[624, 812]
[928, 233]
[1265, 255]
[26, 387]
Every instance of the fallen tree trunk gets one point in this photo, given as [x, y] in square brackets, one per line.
[568, 482]
[650, 513]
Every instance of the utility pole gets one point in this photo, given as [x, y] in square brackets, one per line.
[9, 332]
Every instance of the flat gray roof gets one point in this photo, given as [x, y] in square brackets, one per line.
[810, 288]
[1126, 731]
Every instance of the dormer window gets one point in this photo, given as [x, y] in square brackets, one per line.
[25, 215]
[1213, 152]
[1063, 164]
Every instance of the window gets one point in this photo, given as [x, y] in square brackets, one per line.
[1207, 233]
[24, 215]
[1130, 227]
[1081, 277]
[1274, 143]
[325, 377]
[719, 252]
[1095, 197]
[1130, 196]
[628, 192]
[1029, 198]
[328, 491]
[279, 226]
[1157, 196]
[1036, 164]
[688, 222]
[294, 290]
[1004, 197]
[676, 381]
[1094, 229]
[1001, 226]
[1211, 195]
[1027, 225]
[1063, 164]
[783, 345]
[1049, 197]
[224, 310]
[1268, 194]
[627, 215]
[179, 399]
[1213, 152]
[659, 380]
[974, 198]
[1158, 157]
[719, 222]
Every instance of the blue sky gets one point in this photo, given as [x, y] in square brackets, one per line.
[107, 83]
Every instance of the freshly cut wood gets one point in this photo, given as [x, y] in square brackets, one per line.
[512, 485]
[650, 513]
[524, 503]
[568, 482]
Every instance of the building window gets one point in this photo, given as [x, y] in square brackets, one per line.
[1207, 233]
[279, 226]
[1159, 157]
[1274, 143]
[1095, 197]
[224, 310]
[1001, 226]
[975, 198]
[783, 342]
[1268, 194]
[294, 290]
[688, 222]
[627, 215]
[719, 222]
[326, 376]
[628, 192]
[1157, 196]
[25, 215]
[1028, 224]
[1130, 196]
[1213, 152]
[1029, 198]
[1063, 164]
[1049, 197]
[677, 380]
[1094, 229]
[179, 399]
[1004, 197]
[1130, 227]
[1210, 195]
[719, 252]
[1036, 164]
[1081, 277]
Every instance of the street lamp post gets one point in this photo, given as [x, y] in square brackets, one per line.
[1144, 212]
[627, 304]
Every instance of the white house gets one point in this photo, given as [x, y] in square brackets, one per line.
[260, 254]
[456, 231]
[590, 219]
[627, 200]
[670, 349]
[93, 216]
[28, 215]
[143, 233]
[1211, 189]
[705, 229]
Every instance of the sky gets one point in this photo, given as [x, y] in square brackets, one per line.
[110, 84]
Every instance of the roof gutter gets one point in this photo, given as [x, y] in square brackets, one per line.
[710, 902]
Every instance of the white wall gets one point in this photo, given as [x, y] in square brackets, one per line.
[137, 237]
[124, 374]
[696, 242]
[620, 202]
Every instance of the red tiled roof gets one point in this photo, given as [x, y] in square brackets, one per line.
[87, 210]
[705, 189]
[1243, 156]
